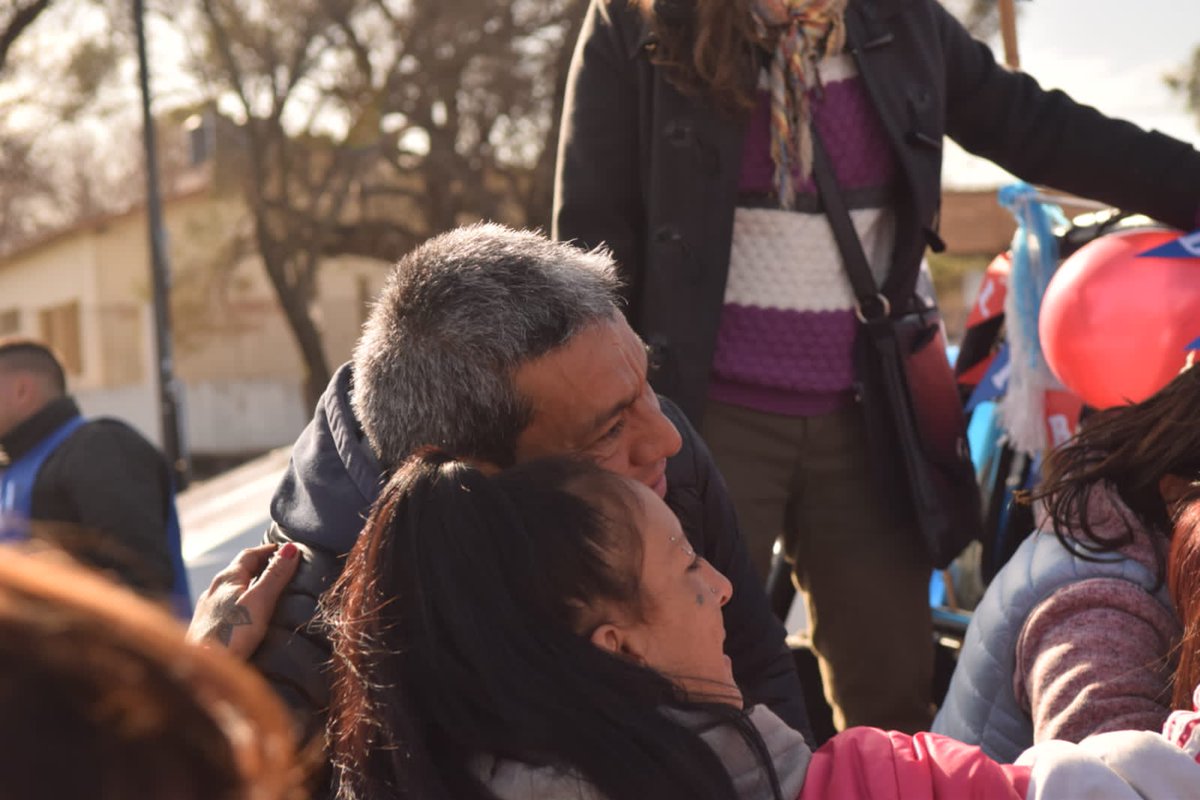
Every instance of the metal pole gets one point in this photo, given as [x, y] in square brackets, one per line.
[1008, 31]
[168, 401]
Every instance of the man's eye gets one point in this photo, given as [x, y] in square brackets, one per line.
[614, 431]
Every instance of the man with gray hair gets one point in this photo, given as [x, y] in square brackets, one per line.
[499, 346]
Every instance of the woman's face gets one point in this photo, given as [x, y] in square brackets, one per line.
[681, 630]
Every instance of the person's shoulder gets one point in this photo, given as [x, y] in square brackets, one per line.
[113, 432]
[110, 428]
[106, 440]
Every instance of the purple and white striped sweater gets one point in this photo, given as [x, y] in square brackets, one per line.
[787, 329]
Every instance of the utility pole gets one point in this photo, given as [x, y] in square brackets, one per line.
[1008, 32]
[168, 398]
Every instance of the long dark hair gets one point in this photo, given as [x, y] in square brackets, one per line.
[706, 48]
[1183, 581]
[1130, 448]
[458, 630]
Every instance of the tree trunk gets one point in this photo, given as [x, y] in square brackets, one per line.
[308, 339]
[296, 302]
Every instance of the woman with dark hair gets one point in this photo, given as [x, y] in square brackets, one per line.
[688, 145]
[549, 634]
[1076, 634]
[465, 629]
[101, 697]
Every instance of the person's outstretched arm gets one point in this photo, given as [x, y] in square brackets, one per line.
[1046, 137]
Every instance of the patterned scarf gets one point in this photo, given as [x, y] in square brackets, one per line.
[804, 32]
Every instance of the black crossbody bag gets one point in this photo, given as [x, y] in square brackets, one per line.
[916, 428]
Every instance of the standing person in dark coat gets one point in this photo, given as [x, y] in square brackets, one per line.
[96, 487]
[499, 346]
[686, 147]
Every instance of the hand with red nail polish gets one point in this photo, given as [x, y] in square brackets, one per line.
[233, 611]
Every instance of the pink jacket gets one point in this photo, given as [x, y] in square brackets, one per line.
[870, 764]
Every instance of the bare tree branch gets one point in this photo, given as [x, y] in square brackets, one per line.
[21, 19]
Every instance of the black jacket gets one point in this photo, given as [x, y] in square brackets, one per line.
[326, 494]
[110, 485]
[654, 174]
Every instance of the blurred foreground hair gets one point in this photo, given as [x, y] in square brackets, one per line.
[102, 698]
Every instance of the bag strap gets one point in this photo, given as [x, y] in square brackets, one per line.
[873, 305]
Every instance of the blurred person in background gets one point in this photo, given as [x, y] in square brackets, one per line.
[95, 487]
[102, 698]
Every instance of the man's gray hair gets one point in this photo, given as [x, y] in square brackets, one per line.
[436, 362]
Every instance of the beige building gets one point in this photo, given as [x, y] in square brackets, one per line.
[87, 292]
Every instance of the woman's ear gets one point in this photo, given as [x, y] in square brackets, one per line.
[618, 641]
[607, 637]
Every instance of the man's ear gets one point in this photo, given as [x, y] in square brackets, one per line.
[29, 393]
[619, 642]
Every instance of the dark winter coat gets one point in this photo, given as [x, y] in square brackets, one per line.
[326, 494]
[654, 173]
[111, 487]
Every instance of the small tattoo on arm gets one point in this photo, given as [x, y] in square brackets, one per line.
[230, 615]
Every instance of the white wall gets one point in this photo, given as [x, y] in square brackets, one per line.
[225, 418]
[240, 416]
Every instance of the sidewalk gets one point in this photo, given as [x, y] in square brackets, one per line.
[222, 515]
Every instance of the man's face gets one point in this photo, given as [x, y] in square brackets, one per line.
[591, 397]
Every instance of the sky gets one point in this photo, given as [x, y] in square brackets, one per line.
[1110, 54]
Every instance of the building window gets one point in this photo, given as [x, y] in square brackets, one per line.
[10, 321]
[60, 330]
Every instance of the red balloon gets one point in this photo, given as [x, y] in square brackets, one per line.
[1115, 326]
